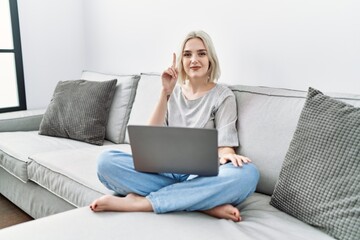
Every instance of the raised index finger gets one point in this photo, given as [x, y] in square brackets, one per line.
[174, 60]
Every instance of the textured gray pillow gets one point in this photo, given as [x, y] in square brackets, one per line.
[319, 182]
[79, 110]
[121, 106]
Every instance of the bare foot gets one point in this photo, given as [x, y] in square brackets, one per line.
[225, 211]
[131, 203]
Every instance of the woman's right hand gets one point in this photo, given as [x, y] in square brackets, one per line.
[169, 77]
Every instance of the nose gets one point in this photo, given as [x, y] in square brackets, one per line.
[194, 59]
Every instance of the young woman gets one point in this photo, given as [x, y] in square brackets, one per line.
[196, 101]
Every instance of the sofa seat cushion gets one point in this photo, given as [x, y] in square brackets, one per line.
[16, 147]
[261, 221]
[71, 174]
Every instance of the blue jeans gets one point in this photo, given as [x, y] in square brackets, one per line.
[169, 192]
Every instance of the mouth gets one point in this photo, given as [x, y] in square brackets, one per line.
[195, 68]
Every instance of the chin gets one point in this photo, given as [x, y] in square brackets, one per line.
[197, 76]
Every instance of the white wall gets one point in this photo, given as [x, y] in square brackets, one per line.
[279, 43]
[52, 39]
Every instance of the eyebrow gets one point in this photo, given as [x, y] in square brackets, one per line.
[200, 50]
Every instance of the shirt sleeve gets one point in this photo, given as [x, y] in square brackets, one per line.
[225, 123]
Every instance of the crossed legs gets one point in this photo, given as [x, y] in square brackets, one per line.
[162, 193]
[136, 203]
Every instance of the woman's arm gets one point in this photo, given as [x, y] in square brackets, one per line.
[228, 154]
[169, 79]
[158, 116]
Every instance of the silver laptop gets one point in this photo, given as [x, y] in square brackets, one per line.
[174, 150]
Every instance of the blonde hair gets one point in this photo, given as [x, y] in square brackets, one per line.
[214, 68]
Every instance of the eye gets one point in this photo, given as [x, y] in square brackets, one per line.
[187, 54]
[202, 54]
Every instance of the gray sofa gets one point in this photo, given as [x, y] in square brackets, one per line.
[54, 179]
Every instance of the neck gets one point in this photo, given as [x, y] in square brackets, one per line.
[196, 90]
[198, 85]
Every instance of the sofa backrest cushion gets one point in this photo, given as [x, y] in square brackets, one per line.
[121, 104]
[147, 96]
[267, 119]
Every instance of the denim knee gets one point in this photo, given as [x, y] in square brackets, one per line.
[247, 172]
[104, 162]
[253, 175]
[242, 182]
[250, 179]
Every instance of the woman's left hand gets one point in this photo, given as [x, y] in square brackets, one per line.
[237, 160]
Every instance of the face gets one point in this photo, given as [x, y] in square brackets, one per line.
[195, 59]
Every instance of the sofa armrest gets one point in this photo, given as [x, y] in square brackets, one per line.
[27, 120]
